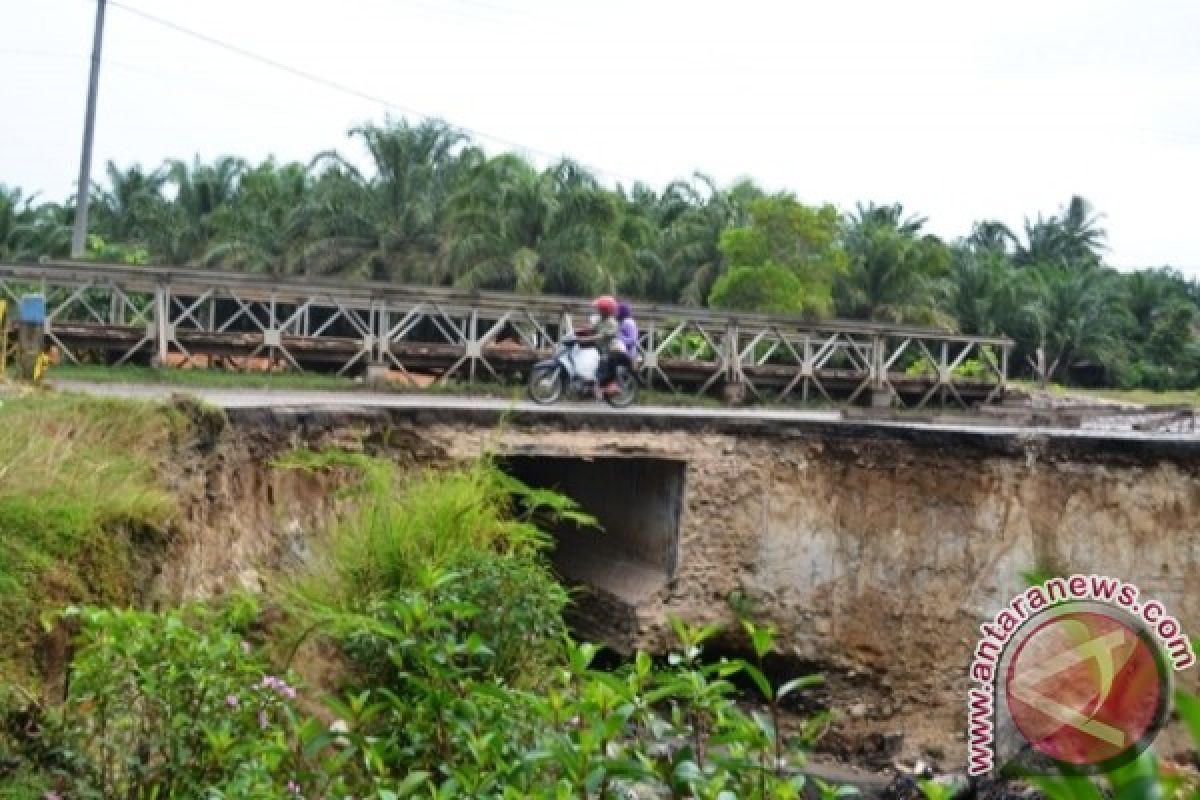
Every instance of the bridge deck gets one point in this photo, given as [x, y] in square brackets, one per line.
[120, 314]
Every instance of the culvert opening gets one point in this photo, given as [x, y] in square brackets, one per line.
[638, 502]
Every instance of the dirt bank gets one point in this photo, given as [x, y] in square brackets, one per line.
[876, 554]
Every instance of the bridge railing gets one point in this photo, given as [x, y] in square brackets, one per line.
[188, 316]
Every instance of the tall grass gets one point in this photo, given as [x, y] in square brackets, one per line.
[77, 477]
[466, 536]
[402, 524]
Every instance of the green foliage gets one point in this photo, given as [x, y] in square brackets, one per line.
[100, 250]
[932, 790]
[794, 251]
[461, 681]
[469, 538]
[769, 289]
[893, 271]
[985, 367]
[403, 525]
[177, 705]
[432, 208]
[172, 705]
[79, 493]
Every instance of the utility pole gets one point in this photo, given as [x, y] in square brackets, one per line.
[79, 237]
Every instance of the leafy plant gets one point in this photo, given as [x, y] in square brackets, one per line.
[171, 705]
[80, 493]
[1140, 779]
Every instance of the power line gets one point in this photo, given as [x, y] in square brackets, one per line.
[346, 89]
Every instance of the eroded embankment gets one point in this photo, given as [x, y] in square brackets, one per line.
[876, 552]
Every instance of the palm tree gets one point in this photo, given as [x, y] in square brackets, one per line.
[29, 231]
[987, 295]
[892, 269]
[515, 228]
[888, 216]
[180, 231]
[388, 225]
[1083, 238]
[261, 229]
[991, 235]
[1073, 240]
[124, 210]
[1076, 314]
[12, 202]
[687, 258]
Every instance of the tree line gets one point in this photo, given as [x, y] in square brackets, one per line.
[434, 208]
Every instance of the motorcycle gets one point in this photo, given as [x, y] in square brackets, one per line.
[571, 371]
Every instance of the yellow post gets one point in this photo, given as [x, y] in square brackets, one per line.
[40, 366]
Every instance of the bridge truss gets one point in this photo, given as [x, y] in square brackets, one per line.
[193, 317]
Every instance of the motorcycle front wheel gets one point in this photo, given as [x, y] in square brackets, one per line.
[546, 384]
[627, 387]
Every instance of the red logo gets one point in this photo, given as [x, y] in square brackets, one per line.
[1087, 689]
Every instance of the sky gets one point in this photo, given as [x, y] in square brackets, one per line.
[959, 109]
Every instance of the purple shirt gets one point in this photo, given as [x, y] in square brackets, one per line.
[629, 335]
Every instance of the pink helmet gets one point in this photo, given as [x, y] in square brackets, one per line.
[606, 305]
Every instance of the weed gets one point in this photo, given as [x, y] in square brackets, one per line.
[78, 479]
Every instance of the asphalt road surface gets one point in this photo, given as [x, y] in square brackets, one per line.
[286, 398]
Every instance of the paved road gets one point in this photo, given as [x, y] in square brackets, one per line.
[284, 398]
[287, 398]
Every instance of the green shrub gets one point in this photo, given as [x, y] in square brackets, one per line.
[460, 680]
[476, 524]
[80, 491]
[172, 705]
[403, 524]
[970, 368]
[178, 705]
[766, 289]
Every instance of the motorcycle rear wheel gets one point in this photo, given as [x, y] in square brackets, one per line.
[627, 387]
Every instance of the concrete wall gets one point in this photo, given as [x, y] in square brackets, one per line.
[637, 501]
[877, 552]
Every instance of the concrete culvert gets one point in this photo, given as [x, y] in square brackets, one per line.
[638, 502]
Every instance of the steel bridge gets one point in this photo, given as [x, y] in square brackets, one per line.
[115, 314]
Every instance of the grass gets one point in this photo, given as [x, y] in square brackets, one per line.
[403, 524]
[79, 482]
[206, 378]
[1147, 397]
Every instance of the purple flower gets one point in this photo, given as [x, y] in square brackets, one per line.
[277, 685]
[293, 787]
[232, 701]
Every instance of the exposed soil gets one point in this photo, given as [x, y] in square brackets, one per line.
[875, 556]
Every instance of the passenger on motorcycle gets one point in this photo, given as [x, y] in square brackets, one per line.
[604, 337]
[627, 330]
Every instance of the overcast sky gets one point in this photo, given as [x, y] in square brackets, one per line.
[958, 109]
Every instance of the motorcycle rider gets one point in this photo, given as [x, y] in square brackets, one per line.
[603, 336]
